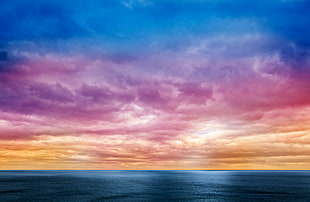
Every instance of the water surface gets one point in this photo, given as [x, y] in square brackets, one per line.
[154, 185]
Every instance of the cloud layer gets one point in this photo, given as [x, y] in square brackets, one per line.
[154, 85]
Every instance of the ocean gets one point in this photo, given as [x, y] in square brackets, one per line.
[154, 186]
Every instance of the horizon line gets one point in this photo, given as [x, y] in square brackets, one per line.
[144, 170]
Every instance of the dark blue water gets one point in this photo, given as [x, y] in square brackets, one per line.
[154, 185]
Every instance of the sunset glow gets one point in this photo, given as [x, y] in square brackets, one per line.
[142, 84]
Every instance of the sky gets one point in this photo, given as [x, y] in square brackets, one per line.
[154, 84]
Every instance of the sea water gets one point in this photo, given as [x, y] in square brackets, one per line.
[154, 185]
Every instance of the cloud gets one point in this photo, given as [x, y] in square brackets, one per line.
[204, 84]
